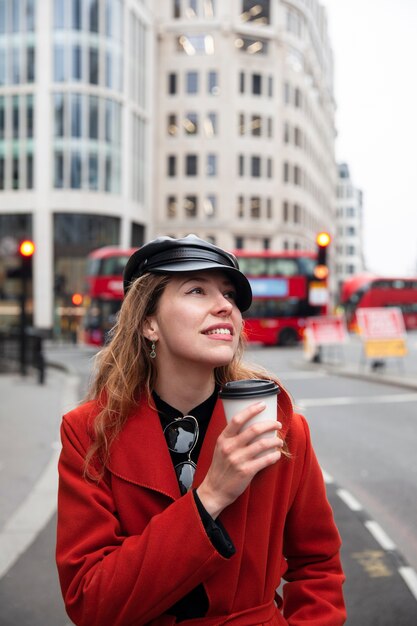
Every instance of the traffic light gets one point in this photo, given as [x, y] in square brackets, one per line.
[321, 271]
[76, 299]
[26, 250]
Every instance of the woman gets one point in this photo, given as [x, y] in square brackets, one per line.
[165, 513]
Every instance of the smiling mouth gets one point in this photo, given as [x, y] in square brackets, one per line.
[219, 331]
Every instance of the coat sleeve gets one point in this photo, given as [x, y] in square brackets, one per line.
[313, 592]
[109, 578]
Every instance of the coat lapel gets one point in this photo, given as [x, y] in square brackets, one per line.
[140, 454]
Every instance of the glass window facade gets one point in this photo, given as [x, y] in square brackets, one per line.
[87, 142]
[17, 130]
[87, 41]
[17, 51]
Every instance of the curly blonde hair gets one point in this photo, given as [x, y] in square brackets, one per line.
[124, 371]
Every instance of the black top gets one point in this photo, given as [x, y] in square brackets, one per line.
[195, 604]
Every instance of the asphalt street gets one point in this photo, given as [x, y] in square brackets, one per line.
[381, 587]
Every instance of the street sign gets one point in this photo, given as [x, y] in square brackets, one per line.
[318, 294]
[381, 323]
[383, 332]
[326, 330]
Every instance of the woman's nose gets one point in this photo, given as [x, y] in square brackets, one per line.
[223, 304]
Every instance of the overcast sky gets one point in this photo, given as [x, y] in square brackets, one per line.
[375, 51]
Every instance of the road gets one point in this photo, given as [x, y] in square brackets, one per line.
[365, 437]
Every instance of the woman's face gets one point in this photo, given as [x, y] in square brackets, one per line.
[197, 321]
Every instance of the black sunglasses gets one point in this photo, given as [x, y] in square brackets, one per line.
[181, 436]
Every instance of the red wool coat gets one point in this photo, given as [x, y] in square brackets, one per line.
[129, 547]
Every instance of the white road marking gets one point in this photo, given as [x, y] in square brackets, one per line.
[380, 535]
[301, 375]
[410, 578]
[346, 400]
[349, 500]
[329, 480]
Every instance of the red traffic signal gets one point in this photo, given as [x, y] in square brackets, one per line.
[321, 271]
[26, 248]
[76, 299]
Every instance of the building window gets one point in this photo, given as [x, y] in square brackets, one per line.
[298, 137]
[286, 132]
[256, 84]
[270, 127]
[211, 168]
[285, 212]
[256, 166]
[241, 207]
[286, 172]
[257, 11]
[256, 125]
[298, 98]
[297, 175]
[190, 206]
[210, 124]
[297, 214]
[270, 86]
[172, 83]
[76, 70]
[255, 207]
[241, 124]
[93, 171]
[269, 212]
[191, 82]
[269, 168]
[172, 207]
[252, 45]
[59, 63]
[196, 44]
[241, 165]
[191, 123]
[191, 165]
[172, 165]
[239, 241]
[176, 8]
[172, 125]
[242, 82]
[210, 206]
[93, 117]
[287, 93]
[76, 170]
[213, 83]
[93, 75]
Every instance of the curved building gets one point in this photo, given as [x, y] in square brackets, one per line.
[246, 122]
[75, 130]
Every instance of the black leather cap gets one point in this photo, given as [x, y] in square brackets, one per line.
[166, 255]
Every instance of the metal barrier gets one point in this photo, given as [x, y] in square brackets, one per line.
[17, 352]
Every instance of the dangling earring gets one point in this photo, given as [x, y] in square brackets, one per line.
[152, 353]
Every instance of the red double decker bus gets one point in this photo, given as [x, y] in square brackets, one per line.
[368, 291]
[285, 293]
[104, 291]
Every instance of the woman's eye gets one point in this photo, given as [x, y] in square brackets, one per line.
[231, 295]
[196, 290]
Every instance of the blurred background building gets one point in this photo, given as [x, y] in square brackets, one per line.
[76, 83]
[124, 119]
[246, 129]
[348, 242]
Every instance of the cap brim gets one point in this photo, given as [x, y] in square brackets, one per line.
[243, 288]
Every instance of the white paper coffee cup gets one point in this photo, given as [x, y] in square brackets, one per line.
[239, 394]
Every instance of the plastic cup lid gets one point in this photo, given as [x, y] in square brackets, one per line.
[248, 388]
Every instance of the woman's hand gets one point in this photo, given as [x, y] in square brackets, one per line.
[236, 459]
